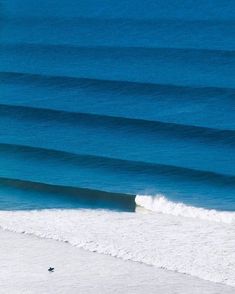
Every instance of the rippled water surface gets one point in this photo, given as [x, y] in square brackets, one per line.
[125, 98]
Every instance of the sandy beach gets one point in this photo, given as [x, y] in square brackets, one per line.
[26, 258]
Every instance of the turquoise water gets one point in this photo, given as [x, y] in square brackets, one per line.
[103, 100]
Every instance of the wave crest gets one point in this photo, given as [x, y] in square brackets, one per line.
[159, 203]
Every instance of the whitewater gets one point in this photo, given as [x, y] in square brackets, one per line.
[159, 203]
[175, 237]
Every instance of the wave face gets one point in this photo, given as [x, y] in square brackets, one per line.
[161, 204]
[105, 110]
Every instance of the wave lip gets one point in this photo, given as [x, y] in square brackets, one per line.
[159, 203]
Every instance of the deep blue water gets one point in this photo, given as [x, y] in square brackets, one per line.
[101, 100]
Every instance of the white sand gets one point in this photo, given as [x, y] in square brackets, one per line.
[190, 246]
[25, 259]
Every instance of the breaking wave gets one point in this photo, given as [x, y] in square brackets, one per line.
[159, 203]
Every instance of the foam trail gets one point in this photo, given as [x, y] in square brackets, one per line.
[190, 246]
[159, 203]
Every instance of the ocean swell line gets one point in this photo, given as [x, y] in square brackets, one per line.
[86, 197]
[89, 160]
[133, 87]
[132, 124]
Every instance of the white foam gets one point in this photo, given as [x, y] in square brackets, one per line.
[186, 245]
[161, 204]
[24, 260]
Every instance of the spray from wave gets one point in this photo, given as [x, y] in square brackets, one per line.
[159, 203]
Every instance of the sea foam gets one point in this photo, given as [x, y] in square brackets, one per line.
[200, 248]
[159, 203]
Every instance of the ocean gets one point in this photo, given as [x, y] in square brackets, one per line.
[117, 121]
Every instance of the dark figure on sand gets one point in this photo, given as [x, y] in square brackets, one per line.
[51, 269]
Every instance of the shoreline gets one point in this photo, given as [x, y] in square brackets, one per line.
[26, 258]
